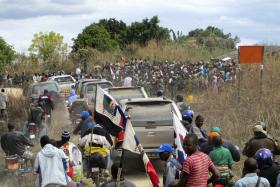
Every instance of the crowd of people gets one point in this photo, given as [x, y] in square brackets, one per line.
[211, 153]
[171, 77]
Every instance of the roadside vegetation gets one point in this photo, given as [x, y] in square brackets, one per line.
[109, 39]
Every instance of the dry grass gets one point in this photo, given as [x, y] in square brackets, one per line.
[17, 108]
[237, 119]
[185, 52]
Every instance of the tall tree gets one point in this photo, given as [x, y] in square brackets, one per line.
[94, 36]
[7, 53]
[48, 48]
[213, 37]
[115, 28]
[142, 32]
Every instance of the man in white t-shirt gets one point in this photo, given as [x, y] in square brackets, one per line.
[127, 81]
[3, 102]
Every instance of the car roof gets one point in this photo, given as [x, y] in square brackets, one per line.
[145, 100]
[124, 88]
[85, 80]
[58, 76]
[47, 82]
[98, 81]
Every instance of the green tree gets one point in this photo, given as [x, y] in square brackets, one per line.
[115, 28]
[142, 32]
[213, 37]
[7, 53]
[94, 36]
[177, 37]
[48, 48]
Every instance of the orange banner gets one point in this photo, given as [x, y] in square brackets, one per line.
[251, 54]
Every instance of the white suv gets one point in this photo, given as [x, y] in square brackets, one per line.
[65, 82]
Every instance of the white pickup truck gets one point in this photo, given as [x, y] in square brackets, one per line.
[65, 83]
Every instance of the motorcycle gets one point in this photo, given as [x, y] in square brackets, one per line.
[16, 164]
[77, 120]
[225, 178]
[36, 130]
[33, 131]
[97, 169]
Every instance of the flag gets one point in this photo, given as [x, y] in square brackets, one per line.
[108, 113]
[132, 144]
[179, 135]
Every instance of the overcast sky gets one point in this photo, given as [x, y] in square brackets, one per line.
[254, 21]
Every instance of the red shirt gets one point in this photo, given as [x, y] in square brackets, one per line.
[197, 167]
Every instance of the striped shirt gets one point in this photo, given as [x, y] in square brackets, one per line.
[197, 167]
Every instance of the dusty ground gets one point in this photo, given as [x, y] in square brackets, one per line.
[60, 121]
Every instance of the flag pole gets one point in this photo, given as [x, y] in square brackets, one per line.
[121, 164]
[118, 182]
[93, 116]
[95, 104]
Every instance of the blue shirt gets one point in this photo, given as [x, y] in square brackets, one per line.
[250, 180]
[172, 168]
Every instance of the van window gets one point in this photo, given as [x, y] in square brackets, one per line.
[91, 88]
[63, 80]
[39, 88]
[153, 114]
[120, 94]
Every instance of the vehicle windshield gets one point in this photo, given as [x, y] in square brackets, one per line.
[91, 88]
[120, 94]
[151, 114]
[63, 80]
[38, 89]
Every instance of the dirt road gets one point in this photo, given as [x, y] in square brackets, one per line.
[141, 179]
[59, 122]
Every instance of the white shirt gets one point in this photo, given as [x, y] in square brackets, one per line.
[3, 100]
[50, 162]
[95, 138]
[250, 180]
[34, 78]
[127, 82]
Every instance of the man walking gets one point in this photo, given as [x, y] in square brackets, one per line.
[50, 163]
[3, 102]
[251, 178]
[172, 166]
[197, 165]
[260, 140]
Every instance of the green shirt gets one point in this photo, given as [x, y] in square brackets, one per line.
[221, 156]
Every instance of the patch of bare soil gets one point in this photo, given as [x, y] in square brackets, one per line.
[59, 122]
